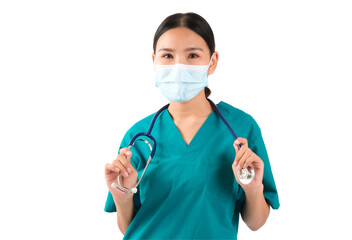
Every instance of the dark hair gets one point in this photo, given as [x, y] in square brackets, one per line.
[194, 22]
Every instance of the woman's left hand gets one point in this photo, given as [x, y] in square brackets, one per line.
[246, 158]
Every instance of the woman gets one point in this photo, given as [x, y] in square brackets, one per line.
[190, 189]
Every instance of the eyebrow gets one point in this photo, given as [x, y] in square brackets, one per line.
[166, 49]
[193, 48]
[186, 50]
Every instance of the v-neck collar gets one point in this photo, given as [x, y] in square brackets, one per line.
[199, 139]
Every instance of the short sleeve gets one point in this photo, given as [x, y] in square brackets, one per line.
[110, 204]
[270, 191]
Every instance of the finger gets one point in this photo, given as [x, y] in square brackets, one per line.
[235, 146]
[249, 160]
[128, 154]
[256, 162]
[126, 162]
[118, 164]
[109, 168]
[111, 174]
[126, 151]
[243, 159]
[239, 155]
[241, 141]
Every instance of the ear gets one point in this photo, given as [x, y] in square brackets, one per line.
[153, 57]
[214, 63]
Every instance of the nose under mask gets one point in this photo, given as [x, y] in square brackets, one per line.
[181, 82]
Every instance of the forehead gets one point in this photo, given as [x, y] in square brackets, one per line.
[181, 38]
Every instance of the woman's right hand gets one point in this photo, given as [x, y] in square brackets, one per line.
[128, 178]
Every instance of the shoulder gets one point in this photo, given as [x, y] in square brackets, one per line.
[239, 118]
[233, 112]
[141, 126]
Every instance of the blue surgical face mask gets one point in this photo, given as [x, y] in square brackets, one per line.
[180, 82]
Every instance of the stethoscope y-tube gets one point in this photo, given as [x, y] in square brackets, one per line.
[244, 175]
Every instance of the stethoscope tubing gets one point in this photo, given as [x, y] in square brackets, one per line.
[153, 149]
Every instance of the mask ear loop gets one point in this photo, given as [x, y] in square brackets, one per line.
[210, 60]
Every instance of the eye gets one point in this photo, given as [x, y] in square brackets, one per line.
[168, 55]
[192, 55]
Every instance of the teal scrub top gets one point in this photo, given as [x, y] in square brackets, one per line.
[190, 191]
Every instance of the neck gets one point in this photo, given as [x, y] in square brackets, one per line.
[198, 106]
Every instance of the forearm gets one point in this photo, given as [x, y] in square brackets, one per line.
[256, 210]
[125, 213]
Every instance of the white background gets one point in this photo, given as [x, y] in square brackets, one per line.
[76, 75]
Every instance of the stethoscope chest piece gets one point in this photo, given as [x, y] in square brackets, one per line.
[246, 176]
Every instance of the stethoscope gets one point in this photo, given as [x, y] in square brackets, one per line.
[245, 175]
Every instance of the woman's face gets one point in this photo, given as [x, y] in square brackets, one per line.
[183, 46]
